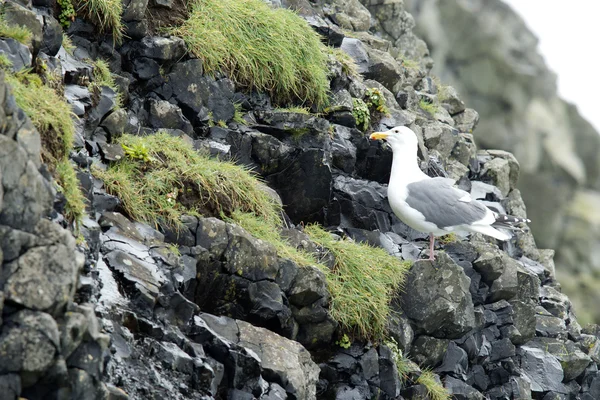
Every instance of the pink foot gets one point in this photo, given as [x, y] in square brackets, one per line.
[431, 242]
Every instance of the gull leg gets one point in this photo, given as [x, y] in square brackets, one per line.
[431, 241]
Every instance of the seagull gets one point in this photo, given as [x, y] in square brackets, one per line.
[434, 205]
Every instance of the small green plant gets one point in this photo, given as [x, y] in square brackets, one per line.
[435, 390]
[375, 100]
[106, 15]
[67, 44]
[103, 77]
[344, 342]
[5, 62]
[259, 47]
[221, 124]
[449, 238]
[361, 114]
[349, 66]
[19, 33]
[238, 115]
[174, 249]
[179, 181]
[67, 13]
[137, 151]
[362, 283]
[429, 107]
[410, 64]
[402, 362]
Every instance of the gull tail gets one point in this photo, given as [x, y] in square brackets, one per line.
[490, 231]
[509, 222]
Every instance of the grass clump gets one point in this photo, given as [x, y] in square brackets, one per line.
[5, 62]
[296, 110]
[429, 107]
[361, 284]
[435, 390]
[262, 48]
[51, 115]
[238, 115]
[169, 178]
[19, 33]
[103, 77]
[67, 44]
[106, 15]
[349, 66]
[68, 184]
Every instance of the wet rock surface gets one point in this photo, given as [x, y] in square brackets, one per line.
[134, 311]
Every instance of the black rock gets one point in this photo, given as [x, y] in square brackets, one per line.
[459, 390]
[455, 361]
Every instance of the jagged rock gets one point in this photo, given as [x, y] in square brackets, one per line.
[160, 48]
[572, 360]
[455, 361]
[542, 369]
[466, 121]
[16, 14]
[133, 10]
[439, 303]
[145, 68]
[460, 390]
[429, 351]
[166, 115]
[309, 286]
[18, 54]
[282, 358]
[28, 343]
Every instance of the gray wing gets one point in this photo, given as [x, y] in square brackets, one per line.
[440, 203]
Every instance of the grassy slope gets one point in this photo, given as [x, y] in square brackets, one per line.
[261, 48]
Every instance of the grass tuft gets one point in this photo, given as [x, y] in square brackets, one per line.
[5, 62]
[349, 66]
[19, 33]
[361, 284]
[435, 390]
[103, 77]
[68, 184]
[260, 230]
[428, 107]
[297, 110]
[262, 48]
[67, 44]
[238, 115]
[51, 115]
[106, 15]
[174, 179]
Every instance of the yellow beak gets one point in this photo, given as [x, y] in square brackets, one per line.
[378, 135]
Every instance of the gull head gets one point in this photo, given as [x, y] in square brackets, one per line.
[399, 138]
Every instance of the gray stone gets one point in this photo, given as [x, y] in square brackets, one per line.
[248, 257]
[542, 369]
[572, 360]
[459, 390]
[161, 48]
[428, 351]
[357, 50]
[309, 286]
[18, 54]
[134, 10]
[28, 344]
[466, 121]
[15, 14]
[166, 115]
[282, 358]
[44, 277]
[439, 302]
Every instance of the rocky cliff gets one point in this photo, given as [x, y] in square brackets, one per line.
[501, 73]
[219, 307]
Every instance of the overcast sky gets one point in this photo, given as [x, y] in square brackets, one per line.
[569, 34]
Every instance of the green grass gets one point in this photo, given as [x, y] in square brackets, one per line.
[361, 114]
[49, 112]
[271, 50]
[68, 184]
[19, 33]
[5, 62]
[410, 64]
[269, 233]
[428, 107]
[349, 66]
[174, 179]
[401, 361]
[238, 115]
[103, 77]
[51, 115]
[435, 390]
[68, 45]
[297, 110]
[106, 15]
[361, 284]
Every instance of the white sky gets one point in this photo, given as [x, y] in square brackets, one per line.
[569, 34]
